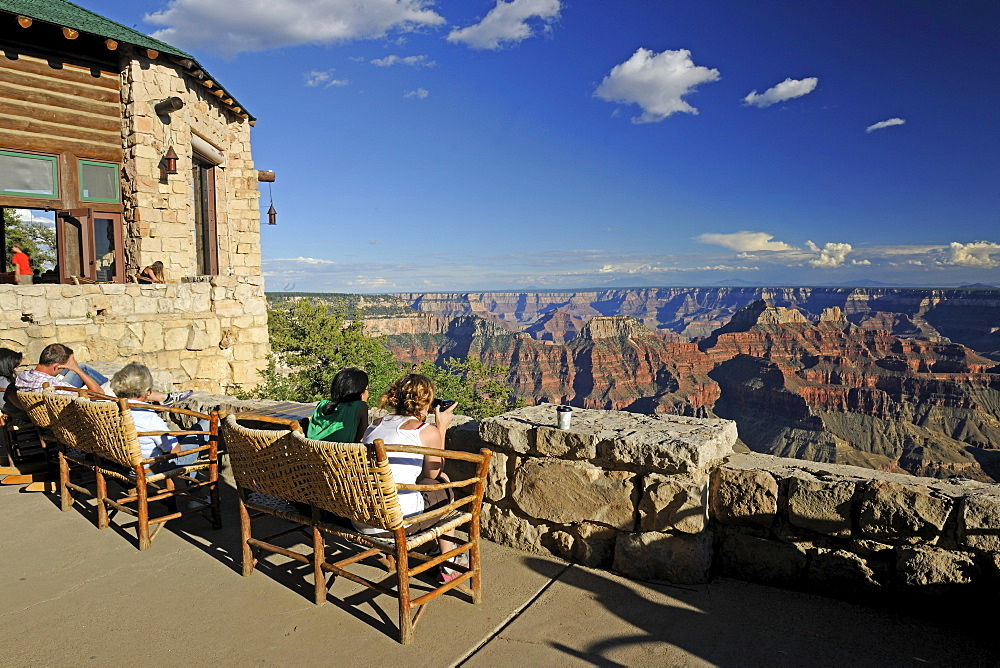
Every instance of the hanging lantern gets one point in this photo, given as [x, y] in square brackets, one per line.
[272, 215]
[170, 161]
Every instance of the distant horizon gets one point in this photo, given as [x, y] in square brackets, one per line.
[970, 287]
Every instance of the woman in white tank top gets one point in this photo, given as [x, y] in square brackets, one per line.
[410, 399]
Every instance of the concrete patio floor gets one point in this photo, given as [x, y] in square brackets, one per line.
[71, 594]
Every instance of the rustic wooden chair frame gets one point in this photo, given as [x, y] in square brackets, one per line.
[24, 454]
[352, 481]
[44, 446]
[103, 429]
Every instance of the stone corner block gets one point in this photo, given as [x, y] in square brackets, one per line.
[979, 522]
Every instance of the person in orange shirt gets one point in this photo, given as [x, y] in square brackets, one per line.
[22, 265]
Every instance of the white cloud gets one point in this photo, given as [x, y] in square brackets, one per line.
[507, 23]
[419, 93]
[831, 255]
[975, 254]
[885, 124]
[657, 82]
[324, 78]
[412, 61]
[745, 241]
[36, 216]
[786, 90]
[236, 26]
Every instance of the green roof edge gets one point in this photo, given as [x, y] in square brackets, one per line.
[70, 15]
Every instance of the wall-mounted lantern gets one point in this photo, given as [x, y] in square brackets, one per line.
[170, 161]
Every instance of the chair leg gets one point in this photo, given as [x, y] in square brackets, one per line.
[475, 562]
[403, 589]
[213, 495]
[102, 494]
[65, 496]
[142, 506]
[318, 557]
[245, 537]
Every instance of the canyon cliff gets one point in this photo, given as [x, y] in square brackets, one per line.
[871, 377]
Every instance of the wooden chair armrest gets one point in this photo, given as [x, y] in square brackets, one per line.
[292, 425]
[173, 455]
[435, 452]
[465, 482]
[172, 433]
[438, 512]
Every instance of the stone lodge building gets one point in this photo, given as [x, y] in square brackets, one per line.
[140, 156]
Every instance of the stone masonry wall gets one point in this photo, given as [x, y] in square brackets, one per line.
[208, 334]
[159, 211]
[665, 498]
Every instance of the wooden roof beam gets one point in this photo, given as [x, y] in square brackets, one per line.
[152, 54]
[24, 21]
[69, 33]
[111, 44]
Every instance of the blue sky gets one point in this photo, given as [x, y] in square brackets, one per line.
[475, 144]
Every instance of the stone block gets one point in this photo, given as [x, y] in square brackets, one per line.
[820, 505]
[841, 572]
[496, 479]
[213, 368]
[567, 444]
[674, 502]
[920, 566]
[743, 497]
[504, 527]
[198, 338]
[245, 374]
[175, 338]
[508, 432]
[979, 522]
[681, 559]
[152, 337]
[663, 443]
[761, 560]
[593, 544]
[566, 492]
[894, 512]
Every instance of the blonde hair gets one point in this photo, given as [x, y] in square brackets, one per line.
[134, 380]
[409, 395]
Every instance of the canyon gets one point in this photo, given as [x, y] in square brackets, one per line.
[903, 380]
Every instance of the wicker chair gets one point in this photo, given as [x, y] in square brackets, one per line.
[352, 481]
[105, 430]
[32, 448]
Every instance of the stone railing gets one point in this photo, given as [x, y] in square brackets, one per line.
[208, 333]
[664, 497]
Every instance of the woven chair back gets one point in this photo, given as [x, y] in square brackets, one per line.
[343, 478]
[108, 431]
[34, 406]
[65, 422]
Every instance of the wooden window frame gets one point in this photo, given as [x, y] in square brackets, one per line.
[206, 226]
[103, 163]
[52, 159]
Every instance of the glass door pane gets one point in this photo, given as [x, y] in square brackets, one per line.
[105, 249]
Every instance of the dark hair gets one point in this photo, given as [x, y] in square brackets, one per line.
[348, 385]
[9, 361]
[54, 353]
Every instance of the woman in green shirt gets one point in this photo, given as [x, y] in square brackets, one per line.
[344, 417]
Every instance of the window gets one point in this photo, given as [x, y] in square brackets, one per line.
[29, 175]
[206, 239]
[99, 181]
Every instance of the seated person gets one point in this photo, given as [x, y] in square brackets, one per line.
[410, 399]
[344, 417]
[9, 361]
[152, 274]
[135, 382]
